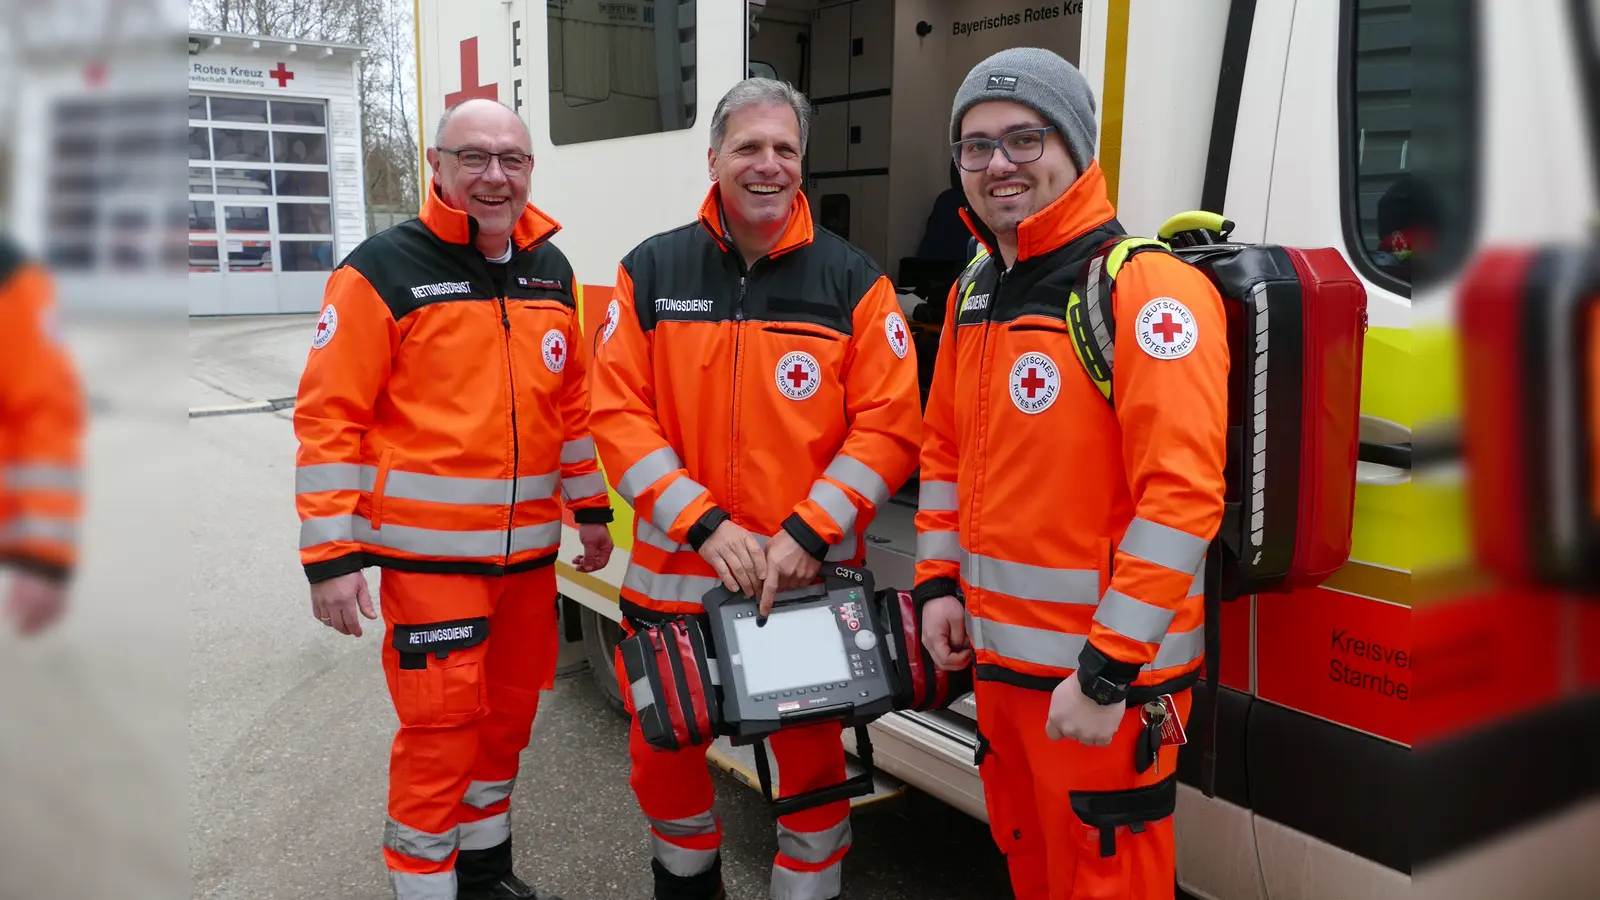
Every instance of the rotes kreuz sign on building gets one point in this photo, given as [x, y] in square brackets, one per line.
[252, 76]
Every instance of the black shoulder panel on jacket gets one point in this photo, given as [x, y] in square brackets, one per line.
[410, 268]
[685, 258]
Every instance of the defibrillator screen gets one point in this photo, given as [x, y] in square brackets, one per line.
[795, 649]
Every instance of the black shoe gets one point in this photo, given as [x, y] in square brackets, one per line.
[705, 886]
[509, 887]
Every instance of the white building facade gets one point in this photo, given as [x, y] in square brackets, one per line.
[276, 181]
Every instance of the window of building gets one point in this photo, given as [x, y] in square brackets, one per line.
[260, 187]
[620, 68]
[1408, 115]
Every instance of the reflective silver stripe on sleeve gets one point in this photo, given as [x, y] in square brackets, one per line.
[325, 530]
[944, 546]
[937, 496]
[789, 884]
[1198, 586]
[844, 550]
[673, 501]
[1027, 582]
[814, 847]
[859, 477]
[433, 886]
[1180, 647]
[647, 471]
[577, 451]
[835, 503]
[40, 528]
[655, 537]
[486, 833]
[484, 794]
[1133, 619]
[582, 487]
[704, 823]
[408, 841]
[1163, 545]
[327, 477]
[41, 477]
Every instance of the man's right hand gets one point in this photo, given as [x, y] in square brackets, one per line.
[736, 557]
[944, 633]
[334, 602]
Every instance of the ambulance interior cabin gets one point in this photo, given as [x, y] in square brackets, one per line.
[881, 75]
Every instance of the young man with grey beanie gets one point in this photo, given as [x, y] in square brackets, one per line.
[1061, 539]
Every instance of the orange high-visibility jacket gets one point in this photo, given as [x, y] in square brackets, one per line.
[42, 420]
[1063, 521]
[782, 397]
[444, 417]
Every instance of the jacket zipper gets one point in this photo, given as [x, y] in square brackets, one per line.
[983, 414]
[516, 442]
[738, 332]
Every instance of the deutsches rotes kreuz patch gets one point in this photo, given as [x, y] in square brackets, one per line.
[555, 350]
[899, 336]
[1166, 329]
[798, 375]
[1035, 383]
[327, 324]
[613, 314]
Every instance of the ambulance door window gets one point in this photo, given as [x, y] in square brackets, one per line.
[1408, 112]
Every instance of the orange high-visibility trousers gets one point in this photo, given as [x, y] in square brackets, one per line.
[675, 794]
[1030, 783]
[464, 719]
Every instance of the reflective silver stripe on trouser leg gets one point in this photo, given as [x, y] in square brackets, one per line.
[684, 862]
[814, 847]
[434, 886]
[788, 884]
[484, 794]
[486, 833]
[408, 841]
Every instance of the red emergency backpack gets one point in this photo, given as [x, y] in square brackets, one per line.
[1530, 346]
[1296, 321]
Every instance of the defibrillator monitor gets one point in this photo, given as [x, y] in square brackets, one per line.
[817, 657]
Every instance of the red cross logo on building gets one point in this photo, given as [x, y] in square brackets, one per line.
[797, 376]
[470, 88]
[1167, 328]
[1032, 383]
[282, 74]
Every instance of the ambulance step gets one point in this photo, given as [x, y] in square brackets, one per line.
[740, 762]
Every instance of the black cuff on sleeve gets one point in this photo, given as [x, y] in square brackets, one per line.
[333, 568]
[701, 530]
[934, 588]
[1113, 670]
[50, 571]
[806, 537]
[598, 516]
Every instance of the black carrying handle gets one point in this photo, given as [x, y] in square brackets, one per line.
[859, 786]
[1396, 456]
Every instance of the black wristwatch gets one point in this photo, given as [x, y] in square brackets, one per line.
[1099, 676]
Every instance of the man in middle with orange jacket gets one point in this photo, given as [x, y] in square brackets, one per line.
[755, 401]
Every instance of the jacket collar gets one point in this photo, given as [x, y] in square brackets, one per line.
[456, 227]
[798, 233]
[1082, 208]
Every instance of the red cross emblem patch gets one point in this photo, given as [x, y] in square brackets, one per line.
[327, 324]
[899, 336]
[1035, 383]
[555, 350]
[798, 375]
[1166, 329]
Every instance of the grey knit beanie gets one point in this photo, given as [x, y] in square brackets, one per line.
[1042, 80]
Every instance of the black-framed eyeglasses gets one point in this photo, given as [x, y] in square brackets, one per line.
[511, 161]
[1023, 146]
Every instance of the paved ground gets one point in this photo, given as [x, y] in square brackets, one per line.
[289, 724]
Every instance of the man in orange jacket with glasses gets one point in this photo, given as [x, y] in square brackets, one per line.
[756, 402]
[443, 419]
[1061, 539]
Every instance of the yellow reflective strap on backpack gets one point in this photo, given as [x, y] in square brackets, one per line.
[1120, 253]
[1083, 344]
